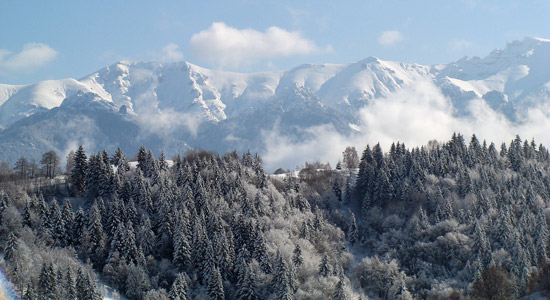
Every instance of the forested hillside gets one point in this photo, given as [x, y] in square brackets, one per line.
[453, 220]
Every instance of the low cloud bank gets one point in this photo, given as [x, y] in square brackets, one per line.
[414, 116]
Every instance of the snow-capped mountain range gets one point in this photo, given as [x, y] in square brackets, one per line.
[175, 106]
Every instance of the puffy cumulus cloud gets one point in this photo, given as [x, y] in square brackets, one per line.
[390, 37]
[33, 56]
[227, 46]
[171, 53]
[414, 116]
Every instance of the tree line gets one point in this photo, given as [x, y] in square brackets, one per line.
[448, 220]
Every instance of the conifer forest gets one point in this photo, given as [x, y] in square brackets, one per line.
[460, 219]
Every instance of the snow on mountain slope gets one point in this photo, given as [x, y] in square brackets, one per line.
[519, 74]
[21, 101]
[187, 105]
[368, 79]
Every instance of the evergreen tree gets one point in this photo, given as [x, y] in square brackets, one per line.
[97, 239]
[182, 249]
[145, 236]
[78, 173]
[144, 162]
[79, 225]
[324, 267]
[70, 287]
[281, 284]
[347, 195]
[401, 291]
[542, 238]
[137, 282]
[47, 282]
[12, 246]
[57, 224]
[119, 160]
[85, 288]
[297, 258]
[246, 288]
[28, 216]
[67, 217]
[353, 235]
[337, 190]
[30, 293]
[340, 293]
[179, 289]
[215, 285]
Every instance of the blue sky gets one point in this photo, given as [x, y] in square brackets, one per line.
[42, 40]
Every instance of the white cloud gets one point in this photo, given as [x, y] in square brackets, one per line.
[391, 37]
[226, 46]
[33, 56]
[171, 53]
[414, 116]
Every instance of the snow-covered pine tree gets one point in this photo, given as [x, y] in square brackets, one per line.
[78, 173]
[325, 268]
[340, 292]
[47, 283]
[215, 285]
[180, 288]
[182, 248]
[85, 288]
[353, 234]
[30, 293]
[297, 257]
[119, 160]
[246, 287]
[12, 246]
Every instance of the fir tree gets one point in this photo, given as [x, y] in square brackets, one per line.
[97, 239]
[57, 224]
[339, 292]
[246, 288]
[30, 293]
[297, 258]
[119, 160]
[137, 282]
[12, 246]
[281, 284]
[67, 217]
[182, 249]
[215, 285]
[353, 235]
[179, 289]
[85, 288]
[78, 173]
[70, 287]
[47, 282]
[324, 267]
[144, 162]
[337, 190]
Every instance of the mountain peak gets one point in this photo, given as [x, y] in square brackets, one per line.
[371, 60]
[206, 107]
